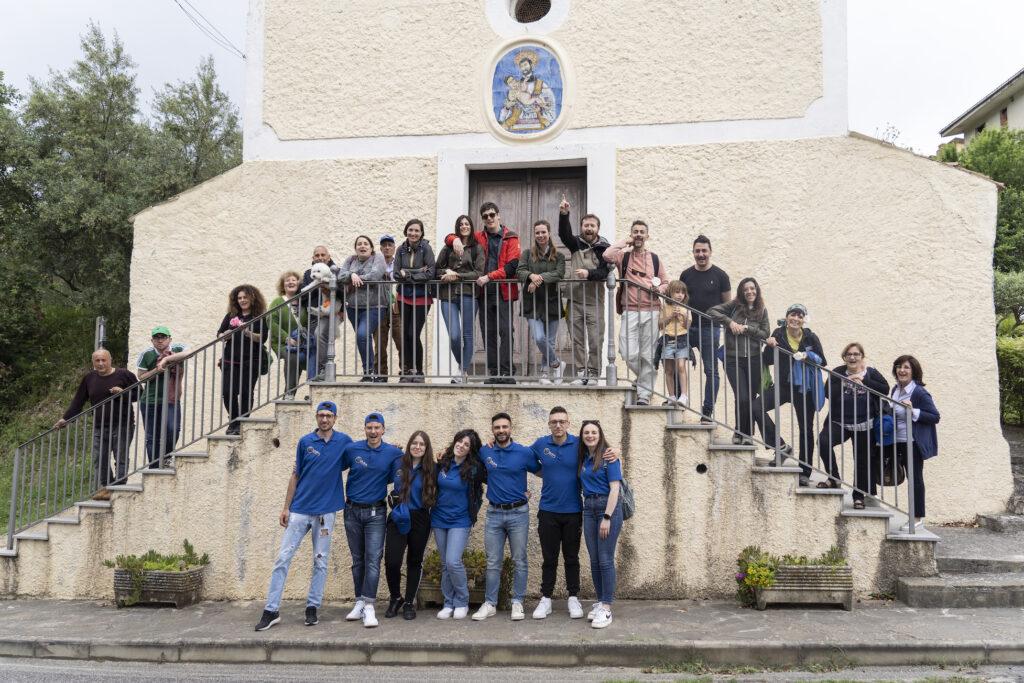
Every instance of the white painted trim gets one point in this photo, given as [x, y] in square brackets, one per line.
[499, 13]
[825, 117]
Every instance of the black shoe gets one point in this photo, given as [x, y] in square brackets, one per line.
[643, 402]
[507, 380]
[393, 606]
[705, 417]
[409, 611]
[494, 380]
[233, 430]
[366, 378]
[381, 379]
[311, 618]
[268, 619]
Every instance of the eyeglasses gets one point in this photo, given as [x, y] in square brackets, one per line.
[485, 216]
[558, 422]
[854, 354]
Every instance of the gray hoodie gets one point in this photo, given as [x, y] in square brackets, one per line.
[373, 269]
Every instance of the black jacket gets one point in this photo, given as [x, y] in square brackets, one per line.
[418, 264]
[809, 343]
[854, 407]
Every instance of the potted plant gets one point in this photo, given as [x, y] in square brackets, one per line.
[766, 579]
[475, 562]
[155, 578]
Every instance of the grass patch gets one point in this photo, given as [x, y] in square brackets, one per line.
[698, 667]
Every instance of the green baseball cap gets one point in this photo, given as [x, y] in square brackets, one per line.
[161, 329]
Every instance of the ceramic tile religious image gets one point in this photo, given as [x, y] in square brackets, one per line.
[526, 90]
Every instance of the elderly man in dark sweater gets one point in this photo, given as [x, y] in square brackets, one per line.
[111, 423]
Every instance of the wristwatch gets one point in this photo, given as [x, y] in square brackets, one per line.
[607, 516]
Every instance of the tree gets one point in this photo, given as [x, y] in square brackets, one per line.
[1009, 299]
[202, 121]
[999, 154]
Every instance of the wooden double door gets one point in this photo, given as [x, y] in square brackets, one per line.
[524, 196]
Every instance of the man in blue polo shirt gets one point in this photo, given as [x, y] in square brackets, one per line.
[315, 493]
[508, 515]
[560, 512]
[371, 465]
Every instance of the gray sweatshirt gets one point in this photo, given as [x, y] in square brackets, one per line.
[371, 270]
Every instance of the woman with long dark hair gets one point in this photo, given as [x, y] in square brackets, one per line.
[242, 361]
[415, 489]
[745, 320]
[541, 268]
[457, 293]
[413, 269]
[602, 516]
[460, 478]
[914, 401]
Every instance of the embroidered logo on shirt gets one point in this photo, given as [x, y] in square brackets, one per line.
[360, 461]
[492, 463]
[547, 451]
[312, 451]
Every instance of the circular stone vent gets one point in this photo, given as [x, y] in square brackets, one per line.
[527, 11]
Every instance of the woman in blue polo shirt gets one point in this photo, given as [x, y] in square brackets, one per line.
[460, 478]
[415, 492]
[602, 516]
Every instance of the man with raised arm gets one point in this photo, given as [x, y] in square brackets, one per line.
[638, 329]
[315, 493]
[585, 298]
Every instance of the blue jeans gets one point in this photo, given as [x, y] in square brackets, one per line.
[450, 544]
[364, 528]
[364, 322]
[458, 316]
[154, 418]
[705, 339]
[297, 527]
[602, 550]
[514, 525]
[544, 334]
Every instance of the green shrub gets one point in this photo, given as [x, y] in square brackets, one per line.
[756, 569]
[1010, 355]
[154, 561]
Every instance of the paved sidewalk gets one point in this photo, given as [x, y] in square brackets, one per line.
[643, 633]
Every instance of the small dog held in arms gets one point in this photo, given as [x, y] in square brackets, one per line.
[320, 274]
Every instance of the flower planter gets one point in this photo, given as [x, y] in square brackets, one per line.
[159, 587]
[819, 584]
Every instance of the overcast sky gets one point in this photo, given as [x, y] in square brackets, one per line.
[915, 65]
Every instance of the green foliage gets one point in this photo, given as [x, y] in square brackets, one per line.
[1009, 301]
[756, 568]
[1009, 250]
[154, 561]
[999, 154]
[1010, 356]
[949, 153]
[475, 562]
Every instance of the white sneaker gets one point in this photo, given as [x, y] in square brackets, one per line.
[460, 613]
[457, 380]
[446, 613]
[370, 617]
[683, 400]
[593, 611]
[575, 608]
[906, 527]
[544, 378]
[556, 373]
[357, 612]
[602, 618]
[543, 609]
[517, 611]
[486, 610]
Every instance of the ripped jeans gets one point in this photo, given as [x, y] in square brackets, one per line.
[322, 527]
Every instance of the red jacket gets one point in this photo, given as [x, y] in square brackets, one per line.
[508, 260]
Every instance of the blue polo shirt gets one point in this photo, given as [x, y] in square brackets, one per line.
[506, 471]
[370, 470]
[415, 487]
[597, 482]
[318, 463]
[452, 509]
[561, 489]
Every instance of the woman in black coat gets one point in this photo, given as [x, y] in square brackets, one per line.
[413, 269]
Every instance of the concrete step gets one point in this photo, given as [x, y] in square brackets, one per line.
[94, 504]
[13, 552]
[63, 520]
[131, 488]
[1002, 522]
[730, 446]
[692, 427]
[257, 420]
[168, 472]
[189, 455]
[963, 590]
[979, 550]
[33, 534]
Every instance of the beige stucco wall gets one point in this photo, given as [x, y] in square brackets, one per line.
[683, 541]
[882, 246]
[363, 68]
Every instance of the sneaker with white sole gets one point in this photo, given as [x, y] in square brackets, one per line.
[593, 611]
[906, 527]
[543, 609]
[486, 610]
[357, 612]
[683, 400]
[602, 618]
[369, 617]
[267, 620]
[518, 612]
[460, 613]
[575, 608]
[544, 378]
[556, 373]
[446, 613]
[580, 382]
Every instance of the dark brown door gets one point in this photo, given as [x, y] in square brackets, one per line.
[524, 196]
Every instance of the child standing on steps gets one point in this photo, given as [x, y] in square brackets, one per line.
[674, 322]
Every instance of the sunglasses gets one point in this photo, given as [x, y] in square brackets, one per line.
[596, 423]
[487, 216]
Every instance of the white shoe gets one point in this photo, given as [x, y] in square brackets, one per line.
[575, 608]
[593, 611]
[357, 612]
[906, 527]
[446, 613]
[543, 609]
[517, 611]
[602, 618]
[683, 400]
[460, 613]
[580, 382]
[556, 373]
[544, 378]
[370, 617]
[456, 380]
[486, 610]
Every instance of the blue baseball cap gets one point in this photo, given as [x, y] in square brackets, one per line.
[327, 405]
[387, 238]
[374, 417]
[402, 519]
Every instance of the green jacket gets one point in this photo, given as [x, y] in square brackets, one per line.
[545, 303]
[282, 322]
